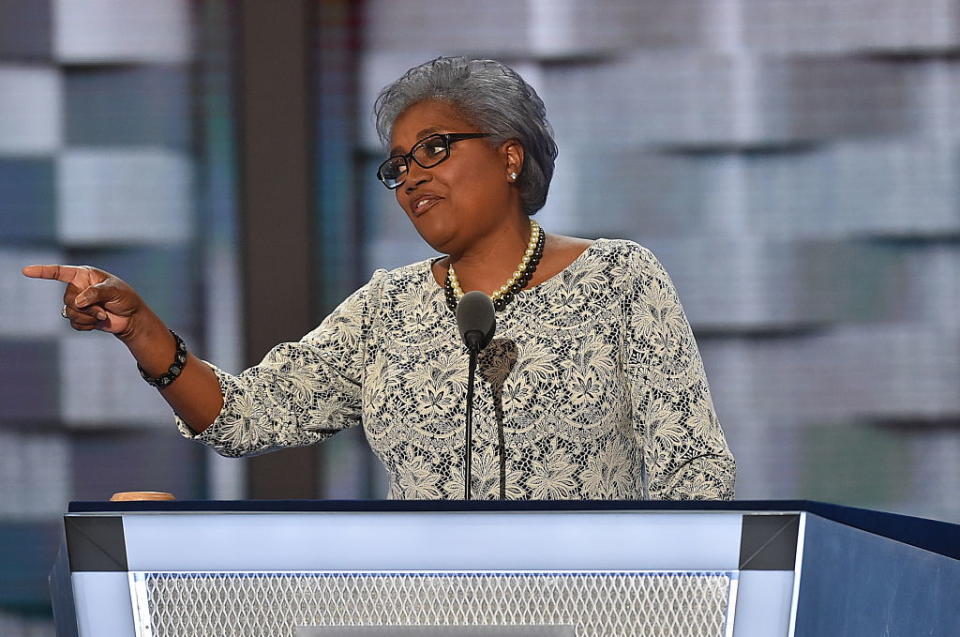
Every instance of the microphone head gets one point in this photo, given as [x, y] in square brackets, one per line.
[476, 319]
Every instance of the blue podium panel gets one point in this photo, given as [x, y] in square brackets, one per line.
[587, 569]
[857, 583]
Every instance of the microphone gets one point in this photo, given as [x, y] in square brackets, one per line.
[477, 322]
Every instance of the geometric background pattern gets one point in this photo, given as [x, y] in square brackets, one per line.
[795, 164]
[110, 113]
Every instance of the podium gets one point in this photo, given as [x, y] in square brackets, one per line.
[306, 568]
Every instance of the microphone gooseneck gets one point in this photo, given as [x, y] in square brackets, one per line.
[476, 320]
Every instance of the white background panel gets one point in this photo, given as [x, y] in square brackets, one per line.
[30, 110]
[120, 196]
[838, 375]
[97, 31]
[848, 26]
[31, 307]
[450, 26]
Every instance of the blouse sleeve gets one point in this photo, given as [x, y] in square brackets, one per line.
[300, 393]
[685, 454]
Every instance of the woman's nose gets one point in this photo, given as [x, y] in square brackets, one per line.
[416, 175]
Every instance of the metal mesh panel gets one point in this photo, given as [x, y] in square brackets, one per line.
[221, 604]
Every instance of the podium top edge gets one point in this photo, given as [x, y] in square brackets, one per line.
[931, 535]
[435, 506]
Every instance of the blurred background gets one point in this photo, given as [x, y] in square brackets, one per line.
[793, 163]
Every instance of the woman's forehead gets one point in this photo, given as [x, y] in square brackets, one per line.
[423, 119]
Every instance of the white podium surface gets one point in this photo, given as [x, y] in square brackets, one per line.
[604, 572]
[588, 569]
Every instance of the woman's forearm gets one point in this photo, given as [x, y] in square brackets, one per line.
[195, 395]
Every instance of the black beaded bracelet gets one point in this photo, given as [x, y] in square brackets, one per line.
[179, 361]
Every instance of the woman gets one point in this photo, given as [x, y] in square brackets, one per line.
[592, 388]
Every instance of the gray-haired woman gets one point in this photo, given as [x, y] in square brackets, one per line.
[592, 388]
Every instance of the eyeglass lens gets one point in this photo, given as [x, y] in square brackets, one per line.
[428, 153]
[392, 171]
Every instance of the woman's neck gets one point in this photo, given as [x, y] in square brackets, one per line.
[489, 263]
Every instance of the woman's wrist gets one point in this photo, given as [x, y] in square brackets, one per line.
[173, 372]
[143, 327]
[150, 342]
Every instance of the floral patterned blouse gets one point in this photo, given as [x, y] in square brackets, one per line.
[592, 388]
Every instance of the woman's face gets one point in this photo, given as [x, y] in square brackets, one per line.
[467, 196]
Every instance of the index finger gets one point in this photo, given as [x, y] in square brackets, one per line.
[65, 273]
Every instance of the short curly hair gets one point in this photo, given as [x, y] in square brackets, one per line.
[492, 96]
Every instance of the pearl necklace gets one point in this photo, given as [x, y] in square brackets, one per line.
[507, 291]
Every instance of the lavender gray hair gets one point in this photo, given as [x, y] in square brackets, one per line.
[493, 97]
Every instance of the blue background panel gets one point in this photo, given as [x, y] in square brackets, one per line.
[27, 200]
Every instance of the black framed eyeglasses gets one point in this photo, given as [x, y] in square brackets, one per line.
[428, 152]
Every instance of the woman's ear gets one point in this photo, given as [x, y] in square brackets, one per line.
[513, 155]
